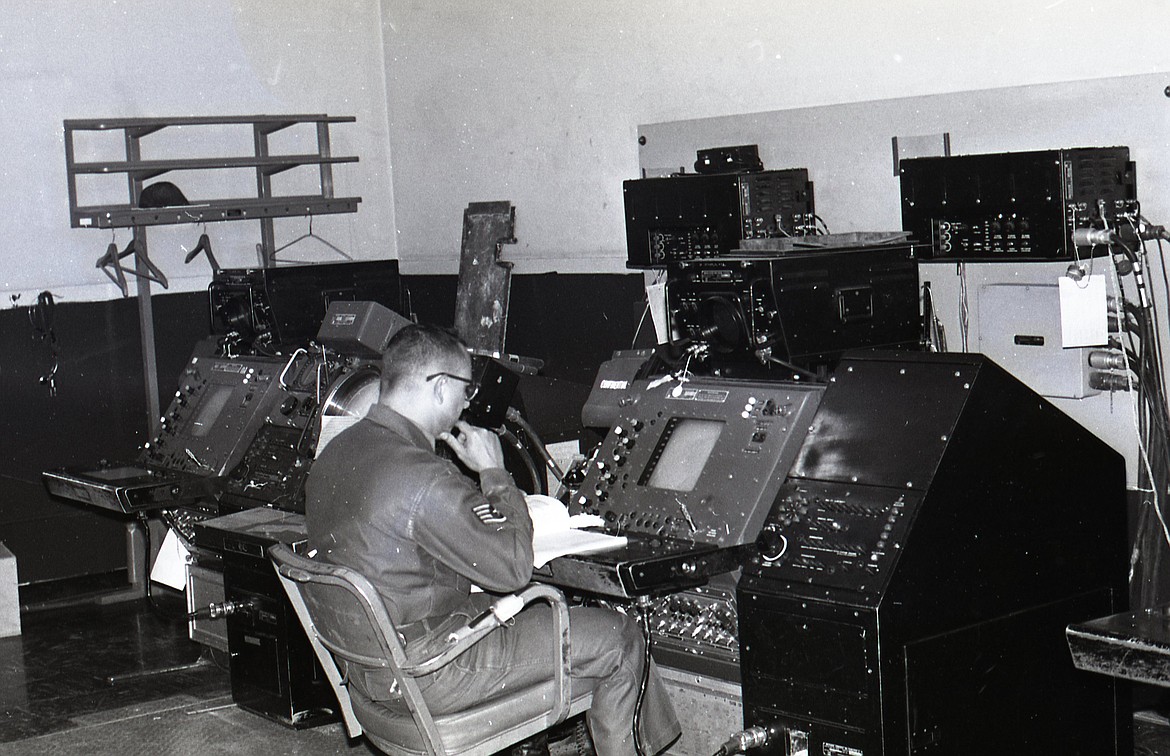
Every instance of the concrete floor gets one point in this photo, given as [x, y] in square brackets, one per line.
[86, 680]
[79, 680]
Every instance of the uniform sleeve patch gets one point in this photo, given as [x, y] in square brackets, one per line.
[488, 514]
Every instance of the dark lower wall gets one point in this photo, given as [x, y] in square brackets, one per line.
[571, 322]
[98, 412]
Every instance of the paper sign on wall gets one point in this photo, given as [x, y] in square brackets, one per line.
[1084, 317]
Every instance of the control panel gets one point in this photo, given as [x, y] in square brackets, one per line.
[834, 534]
[697, 216]
[276, 460]
[217, 409]
[698, 461]
[801, 308]
[730, 307]
[284, 306]
[273, 469]
[698, 629]
[1016, 205]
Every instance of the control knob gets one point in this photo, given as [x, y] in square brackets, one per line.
[771, 543]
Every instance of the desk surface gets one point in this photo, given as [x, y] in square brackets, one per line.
[259, 525]
[1131, 645]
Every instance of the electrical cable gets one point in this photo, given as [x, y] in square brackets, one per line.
[1145, 378]
[964, 308]
[646, 310]
[1150, 411]
[1143, 357]
[644, 615]
[745, 740]
[779, 320]
[641, 320]
[538, 484]
[42, 318]
[513, 415]
[1134, 361]
[1149, 319]
[262, 345]
[797, 371]
[1154, 318]
[1158, 445]
[935, 336]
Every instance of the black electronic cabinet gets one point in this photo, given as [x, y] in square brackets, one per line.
[1017, 206]
[274, 670]
[940, 528]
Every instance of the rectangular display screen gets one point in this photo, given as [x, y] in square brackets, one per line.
[212, 405]
[684, 453]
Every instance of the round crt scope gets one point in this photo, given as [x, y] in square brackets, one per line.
[353, 394]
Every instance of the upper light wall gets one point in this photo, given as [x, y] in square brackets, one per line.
[539, 102]
[61, 59]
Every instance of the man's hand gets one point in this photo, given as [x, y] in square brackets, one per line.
[478, 448]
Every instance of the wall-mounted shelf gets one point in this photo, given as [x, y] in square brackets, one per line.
[126, 216]
[261, 205]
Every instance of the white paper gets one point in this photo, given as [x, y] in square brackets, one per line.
[170, 567]
[555, 533]
[331, 425]
[1084, 315]
[656, 297]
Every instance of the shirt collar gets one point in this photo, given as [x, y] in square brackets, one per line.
[382, 415]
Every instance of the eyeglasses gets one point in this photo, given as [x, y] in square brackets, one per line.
[469, 391]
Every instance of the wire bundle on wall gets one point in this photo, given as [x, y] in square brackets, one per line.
[1139, 323]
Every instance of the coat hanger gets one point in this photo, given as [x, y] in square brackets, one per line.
[204, 246]
[109, 261]
[310, 235]
[111, 265]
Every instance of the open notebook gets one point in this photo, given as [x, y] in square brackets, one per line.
[555, 533]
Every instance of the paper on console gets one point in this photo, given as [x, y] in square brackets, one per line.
[556, 533]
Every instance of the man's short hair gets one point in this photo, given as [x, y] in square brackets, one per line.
[416, 348]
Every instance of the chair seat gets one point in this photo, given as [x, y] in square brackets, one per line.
[350, 630]
[486, 728]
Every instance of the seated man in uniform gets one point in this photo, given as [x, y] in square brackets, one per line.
[381, 501]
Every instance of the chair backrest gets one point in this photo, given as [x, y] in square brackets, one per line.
[348, 625]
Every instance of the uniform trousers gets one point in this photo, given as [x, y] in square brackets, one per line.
[607, 655]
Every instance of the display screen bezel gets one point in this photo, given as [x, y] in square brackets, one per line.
[682, 453]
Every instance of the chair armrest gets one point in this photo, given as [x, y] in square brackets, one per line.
[499, 613]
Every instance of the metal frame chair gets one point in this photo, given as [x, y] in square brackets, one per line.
[351, 632]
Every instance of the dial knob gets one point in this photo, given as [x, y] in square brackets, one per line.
[772, 543]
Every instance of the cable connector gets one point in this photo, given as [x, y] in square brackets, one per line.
[1090, 237]
[740, 742]
[1103, 360]
[1108, 382]
[221, 610]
